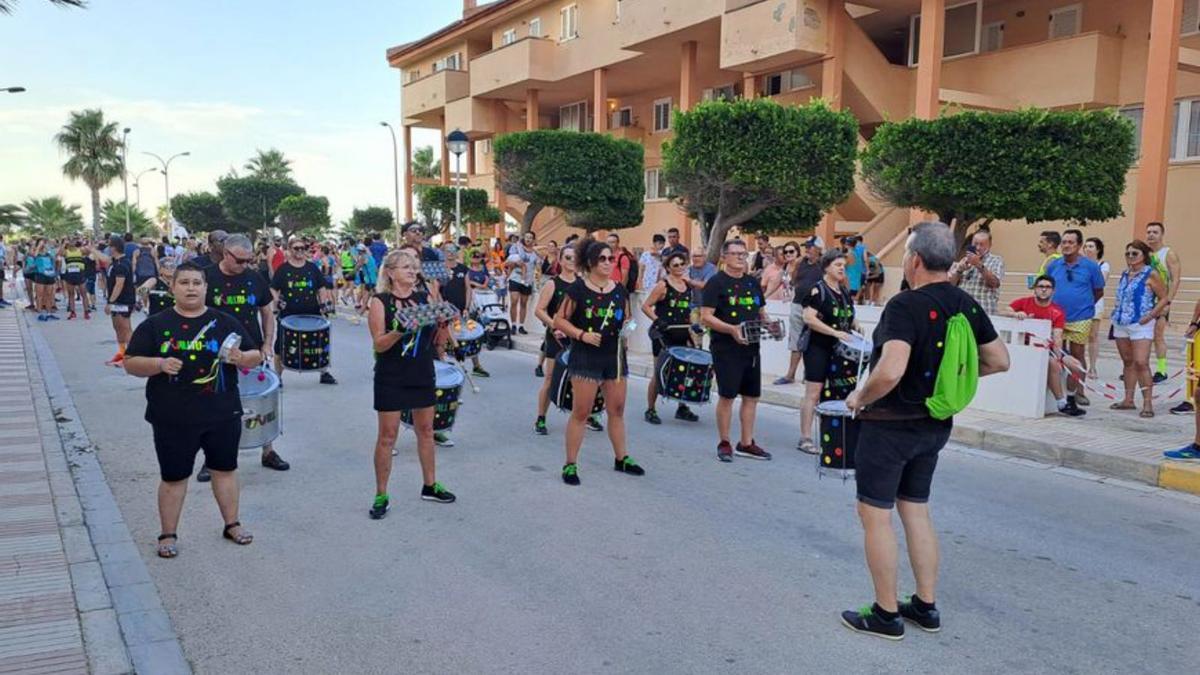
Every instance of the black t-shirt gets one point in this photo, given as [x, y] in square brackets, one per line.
[454, 289]
[429, 255]
[205, 390]
[919, 318]
[602, 313]
[120, 269]
[298, 288]
[733, 301]
[203, 261]
[807, 276]
[89, 267]
[240, 296]
[834, 308]
[410, 360]
[161, 298]
[674, 309]
[559, 288]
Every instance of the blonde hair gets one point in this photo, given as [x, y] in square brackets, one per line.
[393, 259]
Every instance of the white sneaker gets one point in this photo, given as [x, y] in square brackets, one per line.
[442, 440]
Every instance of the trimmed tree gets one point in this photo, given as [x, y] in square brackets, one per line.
[199, 211]
[974, 167]
[370, 219]
[732, 162]
[440, 202]
[303, 214]
[596, 179]
[253, 203]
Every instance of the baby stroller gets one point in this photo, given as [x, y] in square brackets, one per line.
[490, 313]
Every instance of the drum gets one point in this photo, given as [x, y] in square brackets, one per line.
[260, 391]
[836, 435]
[305, 340]
[560, 385]
[469, 336]
[857, 349]
[685, 374]
[448, 379]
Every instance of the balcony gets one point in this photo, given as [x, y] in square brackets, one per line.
[645, 20]
[508, 71]
[758, 36]
[475, 117]
[630, 133]
[1081, 70]
[432, 92]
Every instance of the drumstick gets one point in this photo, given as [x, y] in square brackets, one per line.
[467, 373]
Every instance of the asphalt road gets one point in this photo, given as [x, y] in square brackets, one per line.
[697, 567]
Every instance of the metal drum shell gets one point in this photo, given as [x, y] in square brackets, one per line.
[261, 413]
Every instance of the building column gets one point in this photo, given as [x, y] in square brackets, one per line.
[600, 100]
[408, 175]
[1157, 114]
[688, 94]
[749, 86]
[929, 69]
[445, 156]
[471, 159]
[832, 71]
[531, 109]
[500, 115]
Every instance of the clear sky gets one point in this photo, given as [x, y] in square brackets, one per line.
[218, 78]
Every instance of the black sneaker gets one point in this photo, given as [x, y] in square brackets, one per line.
[928, 620]
[1072, 410]
[593, 423]
[380, 508]
[1159, 378]
[478, 371]
[685, 413]
[203, 476]
[271, 460]
[436, 493]
[725, 451]
[538, 372]
[1185, 408]
[522, 331]
[652, 416]
[539, 427]
[867, 621]
[627, 465]
[570, 474]
[752, 451]
[327, 378]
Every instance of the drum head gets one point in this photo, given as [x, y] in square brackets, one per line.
[468, 330]
[304, 323]
[690, 355]
[833, 409]
[447, 376]
[257, 382]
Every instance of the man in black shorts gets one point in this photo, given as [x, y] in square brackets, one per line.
[730, 298]
[899, 439]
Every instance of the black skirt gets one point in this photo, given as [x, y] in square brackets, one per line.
[392, 396]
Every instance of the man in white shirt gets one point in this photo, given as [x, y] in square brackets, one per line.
[650, 262]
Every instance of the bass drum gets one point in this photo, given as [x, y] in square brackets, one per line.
[260, 392]
[305, 342]
[560, 386]
[685, 374]
[449, 381]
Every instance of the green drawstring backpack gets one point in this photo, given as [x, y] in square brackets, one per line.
[958, 375]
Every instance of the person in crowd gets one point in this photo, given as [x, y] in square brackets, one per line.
[828, 314]
[1048, 244]
[1041, 306]
[776, 278]
[520, 264]
[414, 235]
[593, 314]
[673, 245]
[4, 263]
[980, 272]
[651, 264]
[669, 308]
[807, 272]
[1191, 451]
[731, 298]
[1093, 249]
[457, 292]
[29, 272]
[1166, 264]
[71, 260]
[1142, 298]
[145, 265]
[129, 246]
[378, 248]
[698, 274]
[873, 284]
[368, 276]
[90, 272]
[46, 264]
[625, 267]
[549, 300]
[899, 438]
[121, 296]
[158, 289]
[549, 264]
[1078, 284]
[299, 288]
[758, 259]
[856, 264]
[216, 252]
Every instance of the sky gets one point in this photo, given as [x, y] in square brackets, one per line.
[217, 78]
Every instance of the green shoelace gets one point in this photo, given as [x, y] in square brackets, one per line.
[570, 470]
[437, 488]
[866, 611]
[628, 461]
[380, 500]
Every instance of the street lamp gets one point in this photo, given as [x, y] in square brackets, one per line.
[125, 173]
[13, 90]
[166, 164]
[395, 176]
[457, 142]
[137, 186]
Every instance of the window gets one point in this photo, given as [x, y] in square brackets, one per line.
[622, 118]
[773, 84]
[573, 117]
[414, 75]
[799, 80]
[662, 115]
[508, 37]
[569, 23]
[1064, 21]
[452, 62]
[618, 4]
[1185, 129]
[1189, 23]
[993, 36]
[655, 187]
[485, 146]
[962, 29]
[725, 93]
[1135, 115]
[535, 28]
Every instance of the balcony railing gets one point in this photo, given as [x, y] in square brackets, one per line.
[514, 65]
[433, 92]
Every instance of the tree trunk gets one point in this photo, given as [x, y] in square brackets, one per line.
[724, 222]
[96, 211]
[527, 218]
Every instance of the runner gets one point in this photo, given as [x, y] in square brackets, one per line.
[669, 308]
[549, 300]
[593, 314]
[46, 264]
[158, 290]
[404, 377]
[1166, 263]
[899, 438]
[192, 399]
[828, 315]
[73, 267]
[731, 298]
[89, 275]
[121, 296]
[299, 288]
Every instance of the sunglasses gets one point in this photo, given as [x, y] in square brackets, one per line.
[1044, 287]
[299, 249]
[240, 261]
[791, 251]
[1132, 254]
[677, 264]
[605, 258]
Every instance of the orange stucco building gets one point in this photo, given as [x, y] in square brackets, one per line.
[621, 66]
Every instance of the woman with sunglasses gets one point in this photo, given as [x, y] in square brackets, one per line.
[549, 300]
[777, 277]
[592, 314]
[404, 376]
[669, 308]
[1141, 299]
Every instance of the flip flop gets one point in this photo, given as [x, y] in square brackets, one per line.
[1122, 406]
[1146, 414]
[242, 538]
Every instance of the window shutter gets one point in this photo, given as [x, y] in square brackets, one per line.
[1190, 22]
[993, 37]
[1064, 23]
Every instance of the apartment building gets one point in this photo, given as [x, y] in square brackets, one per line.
[623, 66]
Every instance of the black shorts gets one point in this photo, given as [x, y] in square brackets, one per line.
[392, 396]
[739, 373]
[594, 363]
[551, 347]
[45, 279]
[30, 276]
[816, 362]
[673, 338]
[127, 312]
[519, 288]
[177, 444]
[73, 278]
[896, 460]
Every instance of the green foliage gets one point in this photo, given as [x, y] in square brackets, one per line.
[199, 211]
[51, 217]
[11, 218]
[439, 202]
[303, 214]
[377, 219]
[424, 166]
[270, 165]
[1032, 164]
[759, 165]
[94, 154]
[112, 218]
[488, 215]
[253, 203]
[595, 178]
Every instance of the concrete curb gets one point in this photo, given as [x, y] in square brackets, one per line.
[1169, 475]
[124, 624]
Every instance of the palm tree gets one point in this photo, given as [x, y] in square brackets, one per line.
[50, 217]
[95, 154]
[113, 216]
[6, 6]
[270, 165]
[11, 217]
[425, 166]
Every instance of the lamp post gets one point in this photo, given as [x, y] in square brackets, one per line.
[137, 187]
[395, 176]
[166, 164]
[125, 173]
[457, 142]
[13, 90]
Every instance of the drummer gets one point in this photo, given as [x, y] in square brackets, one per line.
[828, 313]
[299, 288]
[457, 292]
[236, 288]
[669, 308]
[404, 377]
[192, 400]
[549, 299]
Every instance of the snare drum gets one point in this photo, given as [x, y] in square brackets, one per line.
[857, 349]
[685, 374]
[469, 336]
[259, 389]
[836, 435]
[305, 342]
[560, 386]
[448, 379]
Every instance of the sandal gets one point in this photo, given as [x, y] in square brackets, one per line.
[1121, 405]
[806, 446]
[1146, 414]
[242, 538]
[168, 550]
